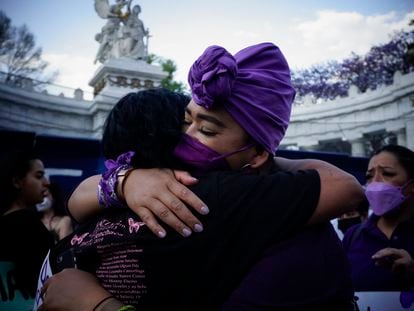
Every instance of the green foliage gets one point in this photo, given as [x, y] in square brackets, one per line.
[169, 67]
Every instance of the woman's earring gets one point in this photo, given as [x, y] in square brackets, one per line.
[246, 166]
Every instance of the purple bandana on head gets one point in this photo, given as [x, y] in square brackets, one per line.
[254, 86]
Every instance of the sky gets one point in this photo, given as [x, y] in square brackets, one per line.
[307, 31]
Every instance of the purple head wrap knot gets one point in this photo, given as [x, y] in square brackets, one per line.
[212, 78]
[254, 87]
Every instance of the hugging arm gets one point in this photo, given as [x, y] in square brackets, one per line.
[76, 290]
[152, 194]
[340, 191]
[156, 193]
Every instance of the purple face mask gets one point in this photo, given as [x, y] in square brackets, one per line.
[200, 157]
[384, 198]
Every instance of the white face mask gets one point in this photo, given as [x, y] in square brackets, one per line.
[45, 205]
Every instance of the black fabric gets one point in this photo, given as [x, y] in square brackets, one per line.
[308, 271]
[25, 241]
[196, 273]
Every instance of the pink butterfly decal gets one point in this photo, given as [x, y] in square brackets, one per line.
[134, 225]
[78, 239]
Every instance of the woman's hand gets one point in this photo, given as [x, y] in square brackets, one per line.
[158, 193]
[399, 261]
[76, 290]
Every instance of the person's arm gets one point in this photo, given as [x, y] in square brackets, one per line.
[76, 290]
[152, 194]
[340, 191]
[83, 203]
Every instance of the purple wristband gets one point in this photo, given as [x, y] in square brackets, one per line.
[106, 191]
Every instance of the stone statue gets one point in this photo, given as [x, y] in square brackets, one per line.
[123, 34]
[108, 39]
[133, 34]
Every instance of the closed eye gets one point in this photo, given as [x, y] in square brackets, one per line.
[207, 132]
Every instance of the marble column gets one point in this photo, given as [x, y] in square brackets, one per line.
[401, 137]
[358, 147]
[409, 134]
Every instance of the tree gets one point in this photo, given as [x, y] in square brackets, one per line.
[377, 67]
[20, 59]
[169, 67]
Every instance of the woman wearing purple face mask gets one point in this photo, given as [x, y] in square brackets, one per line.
[247, 102]
[381, 252]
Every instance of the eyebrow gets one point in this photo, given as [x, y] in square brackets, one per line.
[387, 167]
[207, 118]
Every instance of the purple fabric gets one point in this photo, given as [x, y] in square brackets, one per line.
[106, 192]
[123, 159]
[383, 197]
[200, 157]
[407, 299]
[254, 86]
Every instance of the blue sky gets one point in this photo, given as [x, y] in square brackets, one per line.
[307, 31]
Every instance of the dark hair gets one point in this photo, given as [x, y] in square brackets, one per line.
[58, 199]
[15, 164]
[363, 207]
[404, 156]
[149, 123]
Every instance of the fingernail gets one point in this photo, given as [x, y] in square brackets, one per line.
[194, 179]
[205, 210]
[186, 232]
[198, 227]
[162, 234]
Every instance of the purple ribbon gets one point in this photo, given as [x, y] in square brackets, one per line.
[107, 195]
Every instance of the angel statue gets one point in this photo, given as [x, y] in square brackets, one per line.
[133, 34]
[123, 34]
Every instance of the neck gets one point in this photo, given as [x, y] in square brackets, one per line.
[48, 213]
[388, 224]
[266, 167]
[16, 205]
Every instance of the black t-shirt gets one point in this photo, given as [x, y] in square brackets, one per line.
[24, 241]
[247, 214]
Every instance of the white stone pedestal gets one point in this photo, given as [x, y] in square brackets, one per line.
[116, 78]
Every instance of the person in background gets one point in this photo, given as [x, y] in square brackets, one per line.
[381, 250]
[53, 213]
[352, 218]
[24, 240]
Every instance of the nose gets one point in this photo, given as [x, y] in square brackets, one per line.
[377, 177]
[190, 130]
[46, 181]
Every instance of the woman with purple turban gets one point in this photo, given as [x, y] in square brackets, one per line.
[238, 115]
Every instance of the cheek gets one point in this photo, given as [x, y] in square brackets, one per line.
[214, 142]
[409, 190]
[35, 186]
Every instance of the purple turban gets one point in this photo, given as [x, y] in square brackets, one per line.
[254, 87]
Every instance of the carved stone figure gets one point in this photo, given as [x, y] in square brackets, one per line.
[123, 34]
[108, 39]
[133, 34]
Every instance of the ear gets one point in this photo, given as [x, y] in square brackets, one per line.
[17, 182]
[412, 187]
[259, 159]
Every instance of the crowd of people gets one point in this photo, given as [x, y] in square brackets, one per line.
[262, 238]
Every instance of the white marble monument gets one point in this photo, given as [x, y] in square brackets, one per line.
[122, 52]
